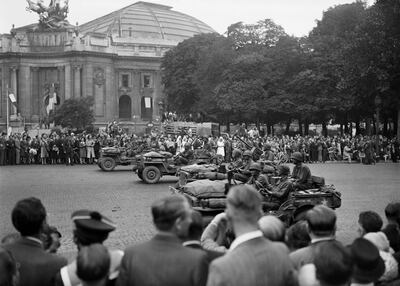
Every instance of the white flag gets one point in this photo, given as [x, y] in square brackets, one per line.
[12, 98]
[147, 102]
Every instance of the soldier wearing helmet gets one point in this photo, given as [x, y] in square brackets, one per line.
[237, 160]
[279, 193]
[268, 154]
[184, 157]
[244, 173]
[301, 174]
[258, 180]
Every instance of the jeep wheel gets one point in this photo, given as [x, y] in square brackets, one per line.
[107, 164]
[151, 175]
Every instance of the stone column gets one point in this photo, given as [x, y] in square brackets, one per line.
[35, 94]
[67, 82]
[77, 81]
[61, 83]
[14, 90]
[24, 96]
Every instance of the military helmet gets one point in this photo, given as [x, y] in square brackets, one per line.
[267, 147]
[297, 156]
[283, 170]
[248, 153]
[255, 166]
[236, 153]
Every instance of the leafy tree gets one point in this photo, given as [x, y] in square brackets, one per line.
[75, 113]
[263, 33]
[330, 43]
[376, 53]
[179, 67]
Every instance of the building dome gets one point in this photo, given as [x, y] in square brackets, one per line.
[148, 23]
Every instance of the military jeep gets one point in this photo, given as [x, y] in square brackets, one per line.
[110, 157]
[209, 198]
[151, 166]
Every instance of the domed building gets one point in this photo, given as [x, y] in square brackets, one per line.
[115, 59]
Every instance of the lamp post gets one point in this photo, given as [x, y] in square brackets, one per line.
[378, 101]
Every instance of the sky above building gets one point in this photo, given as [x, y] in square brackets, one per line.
[297, 17]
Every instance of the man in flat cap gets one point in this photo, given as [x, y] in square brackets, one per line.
[90, 227]
[164, 260]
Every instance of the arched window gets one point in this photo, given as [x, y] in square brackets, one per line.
[147, 108]
[125, 107]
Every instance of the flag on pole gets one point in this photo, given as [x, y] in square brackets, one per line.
[13, 99]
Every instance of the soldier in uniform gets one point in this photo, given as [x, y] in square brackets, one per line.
[268, 154]
[68, 146]
[258, 180]
[244, 172]
[3, 149]
[279, 193]
[184, 157]
[301, 174]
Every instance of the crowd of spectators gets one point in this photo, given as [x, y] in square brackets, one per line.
[241, 246]
[83, 148]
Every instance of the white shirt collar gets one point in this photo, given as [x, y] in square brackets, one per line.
[322, 239]
[245, 237]
[34, 239]
[191, 242]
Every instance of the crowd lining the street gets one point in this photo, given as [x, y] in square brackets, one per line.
[241, 246]
[83, 148]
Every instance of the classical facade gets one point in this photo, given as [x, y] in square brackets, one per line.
[115, 59]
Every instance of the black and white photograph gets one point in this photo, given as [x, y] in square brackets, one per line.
[200, 143]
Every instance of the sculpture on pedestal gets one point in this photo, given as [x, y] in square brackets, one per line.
[52, 16]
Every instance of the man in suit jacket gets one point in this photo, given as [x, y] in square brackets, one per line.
[252, 259]
[164, 260]
[321, 222]
[192, 240]
[37, 267]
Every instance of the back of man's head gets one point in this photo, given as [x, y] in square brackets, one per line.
[196, 226]
[392, 211]
[370, 221]
[244, 204]
[333, 263]
[321, 221]
[93, 263]
[167, 210]
[272, 228]
[28, 216]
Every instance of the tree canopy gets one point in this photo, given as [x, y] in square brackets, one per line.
[258, 73]
[75, 113]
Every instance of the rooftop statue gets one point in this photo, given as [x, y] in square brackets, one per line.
[52, 16]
